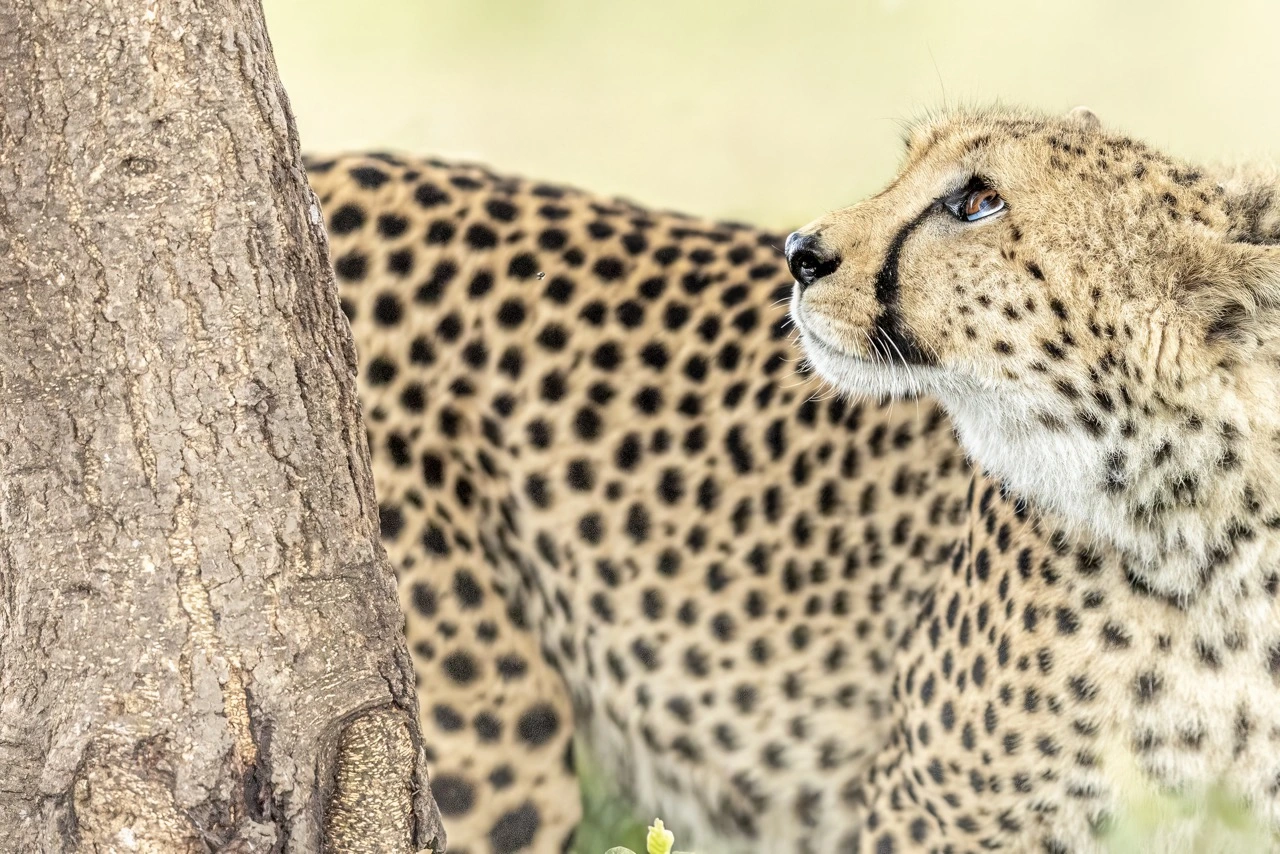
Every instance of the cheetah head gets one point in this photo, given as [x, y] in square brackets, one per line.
[1101, 321]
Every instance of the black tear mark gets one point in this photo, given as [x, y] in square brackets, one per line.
[889, 325]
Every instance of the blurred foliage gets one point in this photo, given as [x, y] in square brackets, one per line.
[607, 820]
[765, 111]
[1208, 820]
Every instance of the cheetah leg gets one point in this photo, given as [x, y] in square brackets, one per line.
[496, 718]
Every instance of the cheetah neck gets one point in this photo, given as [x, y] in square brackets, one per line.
[1185, 495]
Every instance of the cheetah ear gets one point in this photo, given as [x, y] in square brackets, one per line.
[1085, 117]
[1235, 289]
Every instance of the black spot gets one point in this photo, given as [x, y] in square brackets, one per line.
[401, 262]
[481, 237]
[648, 400]
[666, 255]
[552, 239]
[1068, 621]
[460, 667]
[501, 210]
[454, 795]
[630, 314]
[481, 284]
[638, 523]
[450, 327]
[390, 521]
[654, 355]
[1147, 685]
[587, 424]
[559, 290]
[380, 371]
[432, 289]
[501, 777]
[488, 727]
[511, 313]
[369, 177]
[387, 310]
[671, 487]
[467, 589]
[511, 667]
[424, 599]
[346, 219]
[669, 565]
[739, 452]
[609, 269]
[523, 266]
[553, 337]
[433, 540]
[591, 528]
[351, 267]
[429, 195]
[475, 354]
[392, 225]
[440, 232]
[580, 475]
[514, 830]
[447, 718]
[535, 486]
[553, 386]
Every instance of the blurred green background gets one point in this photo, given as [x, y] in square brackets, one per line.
[767, 111]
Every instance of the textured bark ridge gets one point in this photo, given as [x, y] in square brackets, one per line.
[200, 646]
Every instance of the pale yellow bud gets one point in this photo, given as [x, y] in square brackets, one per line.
[660, 840]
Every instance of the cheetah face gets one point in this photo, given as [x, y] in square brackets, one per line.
[1071, 296]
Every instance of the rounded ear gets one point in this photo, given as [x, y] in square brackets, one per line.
[1084, 116]
[1235, 287]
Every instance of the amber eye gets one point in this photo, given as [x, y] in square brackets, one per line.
[981, 203]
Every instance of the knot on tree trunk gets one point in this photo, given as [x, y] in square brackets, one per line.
[371, 804]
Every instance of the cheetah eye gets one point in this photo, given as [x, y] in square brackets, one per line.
[981, 204]
[976, 201]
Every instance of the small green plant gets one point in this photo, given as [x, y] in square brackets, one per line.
[658, 841]
[1205, 820]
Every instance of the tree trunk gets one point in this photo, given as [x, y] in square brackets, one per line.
[200, 647]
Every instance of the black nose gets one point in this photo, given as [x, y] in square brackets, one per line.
[808, 259]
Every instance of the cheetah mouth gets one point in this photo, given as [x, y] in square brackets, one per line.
[859, 372]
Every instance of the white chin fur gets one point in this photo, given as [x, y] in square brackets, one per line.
[855, 376]
[995, 425]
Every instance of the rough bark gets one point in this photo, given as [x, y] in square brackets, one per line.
[200, 647]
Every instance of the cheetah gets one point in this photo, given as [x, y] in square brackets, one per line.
[785, 620]
[1099, 321]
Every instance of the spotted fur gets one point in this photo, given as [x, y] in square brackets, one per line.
[615, 508]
